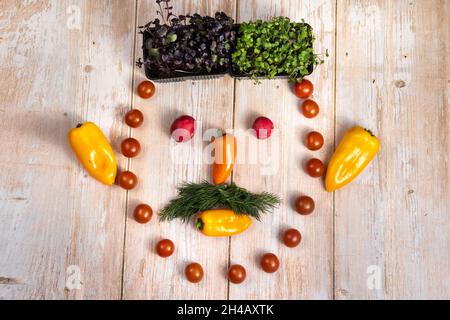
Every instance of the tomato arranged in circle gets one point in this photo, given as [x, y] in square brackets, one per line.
[237, 274]
[304, 89]
[127, 180]
[146, 89]
[194, 272]
[315, 168]
[165, 248]
[270, 263]
[143, 213]
[134, 118]
[310, 109]
[292, 238]
[304, 205]
[130, 147]
[314, 141]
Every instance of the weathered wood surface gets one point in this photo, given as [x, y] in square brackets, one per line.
[60, 64]
[306, 271]
[384, 236]
[393, 76]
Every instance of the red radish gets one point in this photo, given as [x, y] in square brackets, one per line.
[183, 129]
[263, 127]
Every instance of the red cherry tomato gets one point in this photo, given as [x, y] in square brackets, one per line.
[130, 147]
[194, 272]
[165, 248]
[292, 238]
[314, 141]
[304, 205]
[315, 168]
[304, 89]
[134, 118]
[310, 109]
[146, 89]
[270, 263]
[127, 180]
[236, 274]
[143, 213]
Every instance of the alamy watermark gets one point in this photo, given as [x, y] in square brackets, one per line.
[73, 280]
[73, 21]
[374, 277]
[266, 153]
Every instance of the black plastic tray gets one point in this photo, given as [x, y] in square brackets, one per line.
[179, 76]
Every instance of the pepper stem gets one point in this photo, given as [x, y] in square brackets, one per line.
[199, 224]
[79, 125]
[370, 132]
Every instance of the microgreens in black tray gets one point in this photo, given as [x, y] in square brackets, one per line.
[277, 47]
[187, 44]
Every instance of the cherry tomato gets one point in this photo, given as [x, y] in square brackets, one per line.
[194, 272]
[270, 263]
[146, 89]
[165, 248]
[310, 109]
[127, 180]
[237, 274]
[130, 147]
[314, 141]
[304, 89]
[315, 168]
[134, 118]
[304, 205]
[292, 238]
[143, 213]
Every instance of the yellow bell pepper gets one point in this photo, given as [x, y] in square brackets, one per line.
[94, 152]
[222, 223]
[356, 150]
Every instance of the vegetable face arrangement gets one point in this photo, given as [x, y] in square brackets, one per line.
[220, 209]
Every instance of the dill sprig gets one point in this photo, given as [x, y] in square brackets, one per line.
[197, 197]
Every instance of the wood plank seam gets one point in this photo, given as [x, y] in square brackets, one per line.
[130, 130]
[236, 19]
[334, 143]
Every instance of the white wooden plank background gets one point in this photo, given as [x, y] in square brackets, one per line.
[396, 216]
[52, 77]
[388, 70]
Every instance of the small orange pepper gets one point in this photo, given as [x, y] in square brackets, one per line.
[224, 158]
